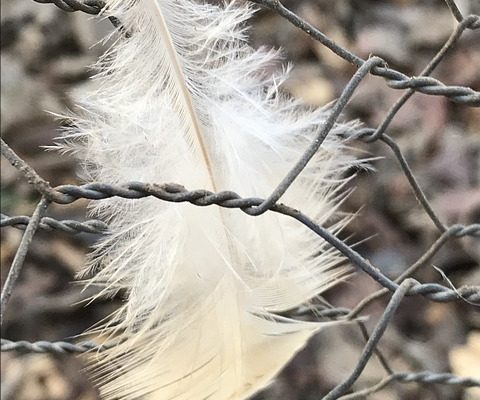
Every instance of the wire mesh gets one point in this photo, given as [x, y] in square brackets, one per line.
[398, 288]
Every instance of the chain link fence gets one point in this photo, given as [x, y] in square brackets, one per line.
[403, 286]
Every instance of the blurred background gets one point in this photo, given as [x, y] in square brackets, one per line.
[46, 56]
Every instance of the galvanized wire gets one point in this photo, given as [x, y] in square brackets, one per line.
[21, 254]
[418, 377]
[87, 6]
[398, 288]
[50, 224]
[60, 347]
[178, 194]
[395, 79]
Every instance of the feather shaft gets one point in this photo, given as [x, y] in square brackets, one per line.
[185, 94]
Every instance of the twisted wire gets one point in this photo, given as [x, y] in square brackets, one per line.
[97, 226]
[395, 79]
[92, 7]
[254, 206]
[49, 224]
[60, 347]
[228, 199]
[429, 377]
[417, 377]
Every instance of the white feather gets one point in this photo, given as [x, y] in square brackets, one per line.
[185, 99]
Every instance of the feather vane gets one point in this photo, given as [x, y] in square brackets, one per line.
[185, 99]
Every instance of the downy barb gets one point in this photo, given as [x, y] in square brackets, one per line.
[184, 98]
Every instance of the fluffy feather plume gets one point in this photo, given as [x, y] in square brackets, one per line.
[185, 99]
